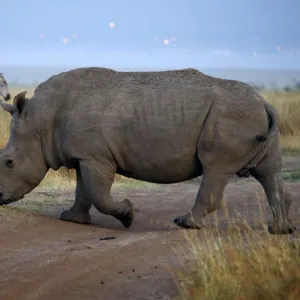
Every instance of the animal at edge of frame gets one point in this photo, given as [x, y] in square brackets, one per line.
[4, 88]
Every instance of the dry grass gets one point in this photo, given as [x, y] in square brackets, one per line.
[287, 104]
[241, 266]
[288, 107]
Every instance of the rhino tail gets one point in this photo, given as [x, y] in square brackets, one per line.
[273, 121]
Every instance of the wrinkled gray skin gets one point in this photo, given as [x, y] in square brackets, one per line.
[161, 127]
[4, 88]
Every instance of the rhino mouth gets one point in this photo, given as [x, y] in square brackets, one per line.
[4, 201]
[7, 97]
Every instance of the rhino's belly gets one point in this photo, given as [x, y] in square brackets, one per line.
[160, 162]
[164, 151]
[166, 172]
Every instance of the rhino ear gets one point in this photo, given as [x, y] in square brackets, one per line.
[7, 107]
[19, 102]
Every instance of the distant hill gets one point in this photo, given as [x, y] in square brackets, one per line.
[33, 75]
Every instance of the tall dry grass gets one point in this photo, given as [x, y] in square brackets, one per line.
[288, 107]
[287, 104]
[244, 265]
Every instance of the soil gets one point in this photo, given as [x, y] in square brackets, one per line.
[42, 257]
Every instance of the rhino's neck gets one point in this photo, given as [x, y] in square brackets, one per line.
[46, 132]
[49, 151]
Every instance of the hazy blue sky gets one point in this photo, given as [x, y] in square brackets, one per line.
[211, 33]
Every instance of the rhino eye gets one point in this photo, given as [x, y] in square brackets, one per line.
[9, 163]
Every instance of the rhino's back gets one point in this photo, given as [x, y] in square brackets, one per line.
[103, 91]
[96, 78]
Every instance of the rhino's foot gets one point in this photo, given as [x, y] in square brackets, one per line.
[127, 216]
[289, 228]
[187, 222]
[76, 217]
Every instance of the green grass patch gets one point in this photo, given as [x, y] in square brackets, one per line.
[291, 176]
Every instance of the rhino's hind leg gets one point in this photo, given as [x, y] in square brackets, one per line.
[97, 181]
[79, 212]
[208, 199]
[268, 174]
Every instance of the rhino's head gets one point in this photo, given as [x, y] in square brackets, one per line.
[4, 88]
[22, 164]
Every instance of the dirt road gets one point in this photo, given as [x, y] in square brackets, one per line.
[42, 257]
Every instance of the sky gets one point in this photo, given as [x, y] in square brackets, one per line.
[156, 34]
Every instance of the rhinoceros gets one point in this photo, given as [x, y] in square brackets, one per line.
[161, 126]
[4, 88]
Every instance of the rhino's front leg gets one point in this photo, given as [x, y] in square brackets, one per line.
[79, 212]
[208, 199]
[97, 179]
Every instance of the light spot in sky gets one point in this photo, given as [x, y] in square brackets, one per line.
[254, 53]
[65, 41]
[166, 41]
[42, 35]
[74, 35]
[278, 48]
[173, 38]
[112, 25]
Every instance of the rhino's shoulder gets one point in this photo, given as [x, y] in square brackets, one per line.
[80, 78]
[186, 72]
